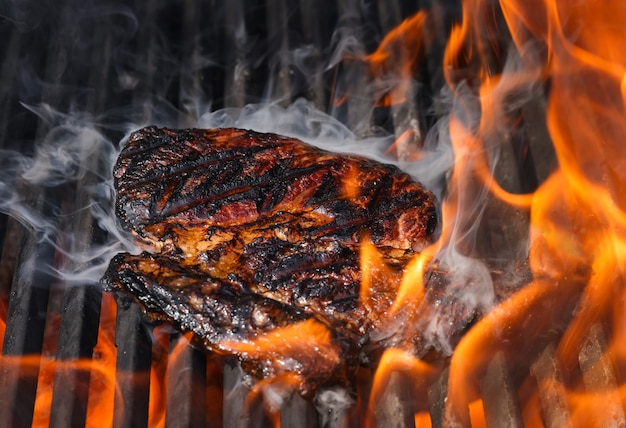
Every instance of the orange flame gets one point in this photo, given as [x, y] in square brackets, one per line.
[392, 66]
[395, 361]
[577, 216]
[351, 184]
[101, 370]
[294, 337]
[397, 57]
[3, 317]
[402, 148]
[289, 348]
[379, 282]
[102, 382]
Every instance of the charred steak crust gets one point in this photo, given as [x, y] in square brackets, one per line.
[247, 232]
[228, 178]
[212, 309]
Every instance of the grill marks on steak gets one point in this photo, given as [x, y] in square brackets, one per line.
[260, 225]
[214, 310]
[240, 178]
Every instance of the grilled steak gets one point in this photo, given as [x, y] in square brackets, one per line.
[245, 233]
[229, 319]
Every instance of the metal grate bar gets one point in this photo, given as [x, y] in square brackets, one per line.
[132, 338]
[396, 406]
[298, 412]
[234, 396]
[499, 394]
[186, 392]
[598, 375]
[318, 21]
[437, 393]
[77, 337]
[237, 67]
[191, 94]
[405, 115]
[186, 400]
[134, 350]
[280, 82]
[549, 378]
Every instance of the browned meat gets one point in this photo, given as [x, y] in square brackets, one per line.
[262, 225]
[229, 319]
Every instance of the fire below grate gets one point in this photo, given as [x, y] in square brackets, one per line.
[86, 70]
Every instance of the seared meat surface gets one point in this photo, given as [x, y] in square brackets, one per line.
[246, 233]
[229, 319]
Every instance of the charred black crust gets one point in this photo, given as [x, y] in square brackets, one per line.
[158, 165]
[219, 311]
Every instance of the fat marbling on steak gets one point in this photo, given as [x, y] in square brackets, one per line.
[245, 232]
